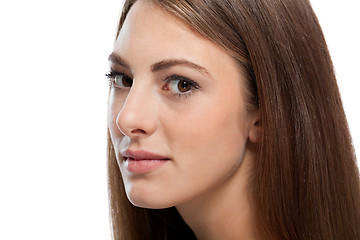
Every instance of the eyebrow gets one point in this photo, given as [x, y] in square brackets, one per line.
[162, 65]
[114, 58]
[176, 62]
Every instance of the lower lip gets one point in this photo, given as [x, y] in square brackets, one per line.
[143, 166]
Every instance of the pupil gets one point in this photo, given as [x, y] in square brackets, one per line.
[184, 86]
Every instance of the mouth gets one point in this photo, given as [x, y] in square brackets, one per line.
[140, 162]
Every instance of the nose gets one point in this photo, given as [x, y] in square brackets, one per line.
[137, 117]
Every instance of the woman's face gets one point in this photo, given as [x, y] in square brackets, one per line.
[177, 115]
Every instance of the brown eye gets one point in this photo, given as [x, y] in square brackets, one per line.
[184, 86]
[123, 81]
[180, 86]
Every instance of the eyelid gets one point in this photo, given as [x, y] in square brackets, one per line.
[175, 77]
[118, 69]
[110, 75]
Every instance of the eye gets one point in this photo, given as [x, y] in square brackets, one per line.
[180, 85]
[123, 81]
[119, 80]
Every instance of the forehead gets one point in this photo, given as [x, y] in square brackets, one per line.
[147, 26]
[150, 34]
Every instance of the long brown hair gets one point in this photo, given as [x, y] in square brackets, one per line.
[305, 183]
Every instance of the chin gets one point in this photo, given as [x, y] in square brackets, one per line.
[148, 199]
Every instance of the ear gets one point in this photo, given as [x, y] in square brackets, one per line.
[255, 131]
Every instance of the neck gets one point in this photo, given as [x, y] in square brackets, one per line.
[225, 212]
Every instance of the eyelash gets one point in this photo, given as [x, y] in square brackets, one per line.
[111, 77]
[194, 85]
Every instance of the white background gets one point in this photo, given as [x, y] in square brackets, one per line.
[53, 95]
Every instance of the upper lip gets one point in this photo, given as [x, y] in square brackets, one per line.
[142, 155]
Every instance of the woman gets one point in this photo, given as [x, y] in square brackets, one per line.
[225, 122]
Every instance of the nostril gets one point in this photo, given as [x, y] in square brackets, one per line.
[138, 131]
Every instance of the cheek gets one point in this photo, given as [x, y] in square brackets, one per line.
[206, 156]
[218, 123]
[209, 135]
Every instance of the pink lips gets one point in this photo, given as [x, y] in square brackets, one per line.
[141, 161]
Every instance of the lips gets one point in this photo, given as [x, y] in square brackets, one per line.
[142, 155]
[140, 162]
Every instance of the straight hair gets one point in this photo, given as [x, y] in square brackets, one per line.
[305, 182]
